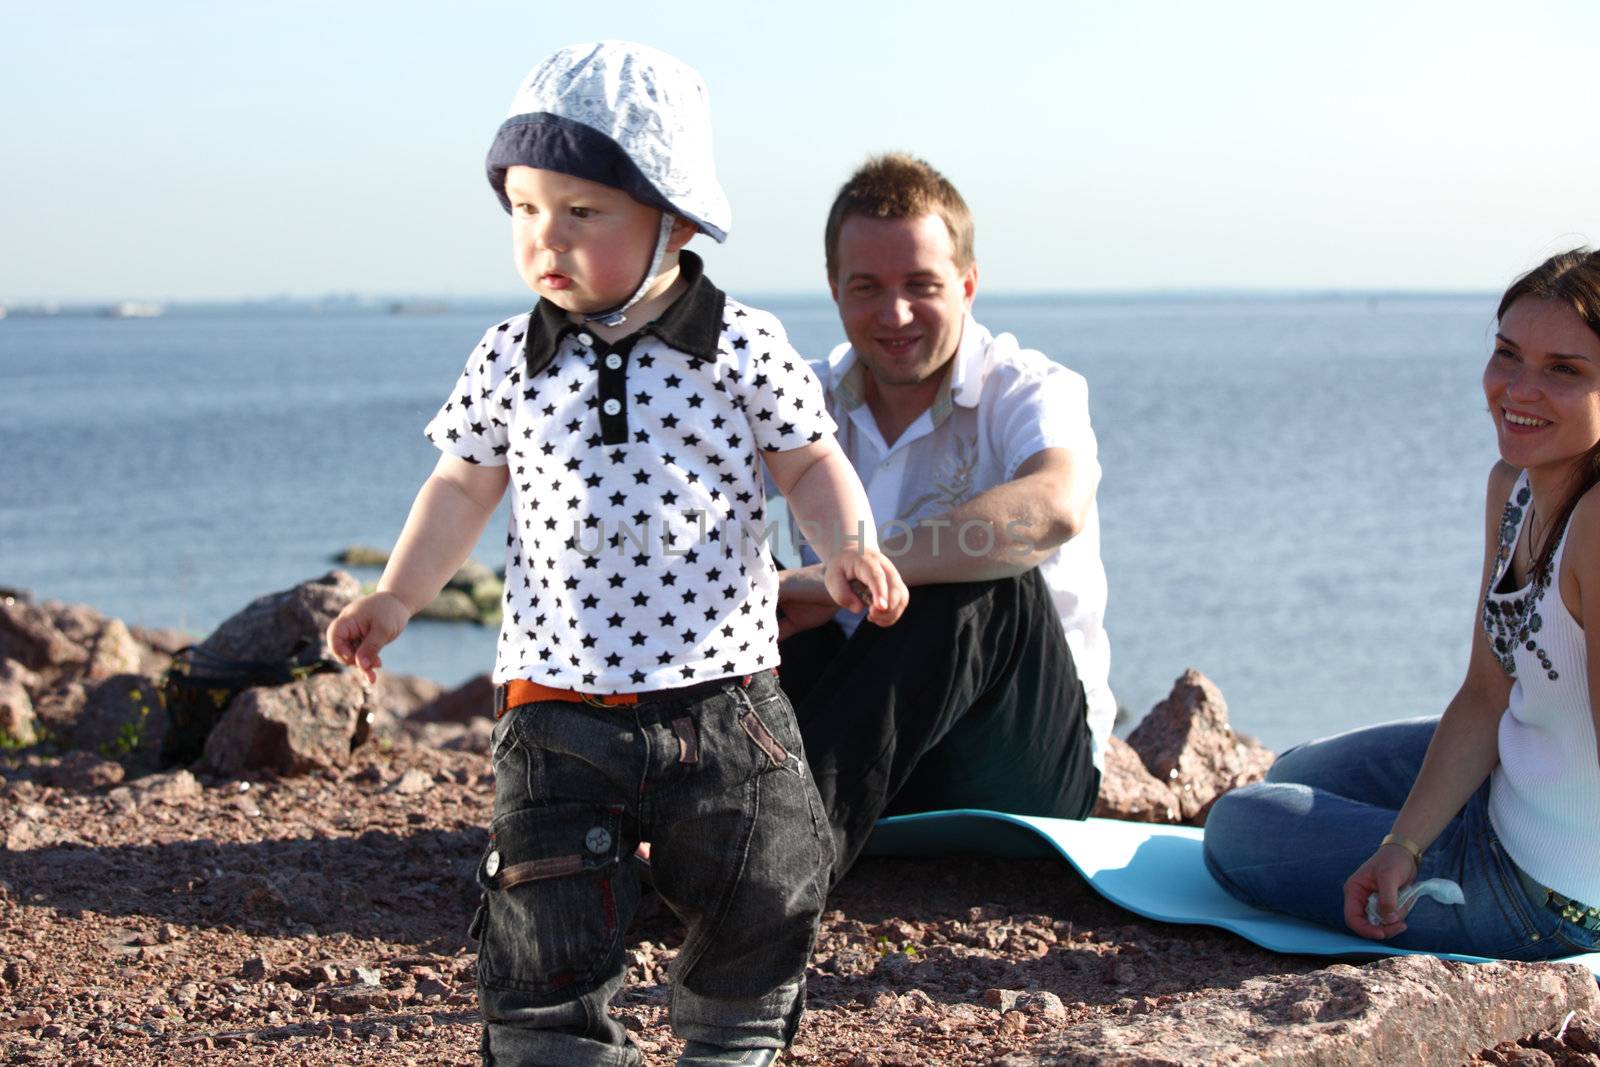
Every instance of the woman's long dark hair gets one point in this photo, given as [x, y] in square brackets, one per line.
[1571, 278]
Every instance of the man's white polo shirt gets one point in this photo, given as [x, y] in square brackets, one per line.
[635, 558]
[1000, 405]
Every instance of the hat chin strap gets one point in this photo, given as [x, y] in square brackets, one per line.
[616, 316]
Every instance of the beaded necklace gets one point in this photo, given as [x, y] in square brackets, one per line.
[1516, 620]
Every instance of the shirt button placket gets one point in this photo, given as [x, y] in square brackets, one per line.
[613, 373]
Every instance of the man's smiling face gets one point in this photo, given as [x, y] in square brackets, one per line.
[902, 298]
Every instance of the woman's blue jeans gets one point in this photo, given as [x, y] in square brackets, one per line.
[1288, 843]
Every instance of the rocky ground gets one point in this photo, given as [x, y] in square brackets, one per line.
[309, 905]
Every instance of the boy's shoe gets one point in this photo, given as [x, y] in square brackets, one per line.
[700, 1054]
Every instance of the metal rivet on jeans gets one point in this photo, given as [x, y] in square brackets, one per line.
[598, 839]
[491, 864]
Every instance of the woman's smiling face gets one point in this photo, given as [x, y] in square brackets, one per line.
[1542, 383]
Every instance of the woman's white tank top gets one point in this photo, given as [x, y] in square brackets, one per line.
[1544, 797]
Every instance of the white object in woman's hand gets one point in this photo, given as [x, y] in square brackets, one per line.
[1442, 890]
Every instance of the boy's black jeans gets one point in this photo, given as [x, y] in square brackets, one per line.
[740, 850]
[971, 700]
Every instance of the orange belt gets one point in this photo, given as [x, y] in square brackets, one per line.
[520, 691]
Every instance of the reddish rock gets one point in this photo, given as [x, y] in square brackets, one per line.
[56, 707]
[79, 623]
[16, 706]
[82, 772]
[471, 700]
[412, 783]
[292, 729]
[1129, 791]
[402, 694]
[112, 650]
[157, 647]
[29, 636]
[122, 717]
[1407, 1009]
[171, 788]
[1186, 742]
[355, 999]
[269, 628]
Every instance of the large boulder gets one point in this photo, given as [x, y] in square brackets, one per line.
[1187, 743]
[1408, 1009]
[1129, 791]
[122, 718]
[303, 726]
[29, 636]
[112, 651]
[271, 627]
[54, 658]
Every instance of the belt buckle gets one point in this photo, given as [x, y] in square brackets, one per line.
[593, 700]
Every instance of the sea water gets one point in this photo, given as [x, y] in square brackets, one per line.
[1292, 492]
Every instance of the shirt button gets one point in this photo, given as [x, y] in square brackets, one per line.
[613, 361]
[585, 339]
[612, 406]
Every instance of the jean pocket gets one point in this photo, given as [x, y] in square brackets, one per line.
[770, 726]
[555, 908]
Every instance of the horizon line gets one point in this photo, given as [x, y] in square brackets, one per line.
[425, 302]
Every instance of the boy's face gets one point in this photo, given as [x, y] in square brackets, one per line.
[581, 245]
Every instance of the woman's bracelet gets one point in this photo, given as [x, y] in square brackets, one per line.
[1405, 843]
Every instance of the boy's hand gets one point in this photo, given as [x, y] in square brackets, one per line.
[866, 581]
[364, 627]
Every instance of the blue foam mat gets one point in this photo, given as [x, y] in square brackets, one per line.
[1155, 871]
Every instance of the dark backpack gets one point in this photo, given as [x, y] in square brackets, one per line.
[200, 685]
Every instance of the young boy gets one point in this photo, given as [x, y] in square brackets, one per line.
[635, 689]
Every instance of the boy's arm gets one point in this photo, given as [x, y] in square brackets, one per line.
[825, 495]
[446, 520]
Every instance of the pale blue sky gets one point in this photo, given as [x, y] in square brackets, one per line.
[183, 150]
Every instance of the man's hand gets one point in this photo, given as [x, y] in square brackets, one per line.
[795, 616]
[866, 581]
[359, 631]
[1389, 870]
[803, 600]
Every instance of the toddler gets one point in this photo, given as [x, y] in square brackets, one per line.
[635, 692]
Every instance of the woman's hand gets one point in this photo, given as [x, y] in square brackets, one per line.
[1389, 870]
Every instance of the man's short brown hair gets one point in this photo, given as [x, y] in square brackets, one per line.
[899, 186]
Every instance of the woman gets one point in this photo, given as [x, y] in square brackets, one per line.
[1502, 794]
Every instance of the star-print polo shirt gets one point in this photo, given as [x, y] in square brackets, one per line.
[637, 555]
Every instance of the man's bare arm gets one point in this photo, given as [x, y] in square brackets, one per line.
[1002, 532]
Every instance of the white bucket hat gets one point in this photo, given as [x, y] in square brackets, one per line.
[624, 115]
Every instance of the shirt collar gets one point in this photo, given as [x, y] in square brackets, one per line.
[692, 324]
[962, 385]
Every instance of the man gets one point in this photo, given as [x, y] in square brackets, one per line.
[980, 464]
